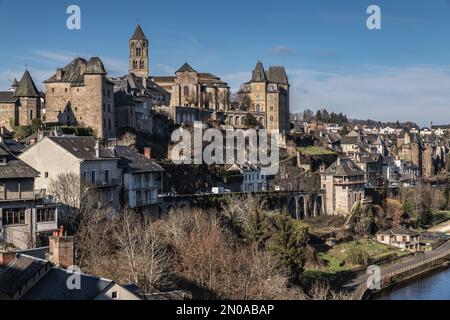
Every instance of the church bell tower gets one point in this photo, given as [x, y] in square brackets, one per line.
[139, 54]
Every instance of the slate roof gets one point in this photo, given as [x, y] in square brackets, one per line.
[26, 87]
[344, 167]
[18, 273]
[7, 97]
[95, 66]
[138, 34]
[185, 68]
[399, 231]
[134, 161]
[259, 74]
[14, 167]
[350, 140]
[82, 147]
[164, 78]
[73, 72]
[277, 75]
[53, 287]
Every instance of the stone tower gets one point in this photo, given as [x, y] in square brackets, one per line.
[139, 54]
[30, 101]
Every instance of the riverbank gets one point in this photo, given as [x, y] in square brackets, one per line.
[407, 280]
[431, 285]
[403, 271]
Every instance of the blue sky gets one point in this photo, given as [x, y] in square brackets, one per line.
[399, 72]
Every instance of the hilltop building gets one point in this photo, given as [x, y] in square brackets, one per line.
[21, 104]
[268, 92]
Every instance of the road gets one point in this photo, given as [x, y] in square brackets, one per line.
[358, 284]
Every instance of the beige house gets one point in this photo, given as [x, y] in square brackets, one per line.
[83, 156]
[344, 184]
[405, 239]
[27, 217]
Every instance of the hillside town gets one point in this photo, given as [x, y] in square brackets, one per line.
[87, 176]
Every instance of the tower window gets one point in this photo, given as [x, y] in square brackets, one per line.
[141, 65]
[186, 91]
[134, 64]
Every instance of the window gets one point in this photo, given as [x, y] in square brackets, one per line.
[114, 295]
[13, 216]
[134, 64]
[65, 89]
[53, 90]
[271, 118]
[141, 65]
[107, 175]
[104, 108]
[109, 93]
[103, 92]
[109, 124]
[186, 91]
[85, 175]
[93, 177]
[109, 108]
[46, 175]
[46, 215]
[31, 114]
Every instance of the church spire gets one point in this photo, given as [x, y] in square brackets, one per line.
[139, 58]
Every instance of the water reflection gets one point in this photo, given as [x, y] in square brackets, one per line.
[433, 287]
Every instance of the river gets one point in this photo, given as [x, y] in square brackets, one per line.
[435, 286]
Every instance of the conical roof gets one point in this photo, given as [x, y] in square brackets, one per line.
[26, 87]
[138, 34]
[259, 75]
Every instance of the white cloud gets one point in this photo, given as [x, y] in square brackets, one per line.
[282, 50]
[420, 94]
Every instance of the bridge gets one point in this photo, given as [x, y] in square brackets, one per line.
[306, 204]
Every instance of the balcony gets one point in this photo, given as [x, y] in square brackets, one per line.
[7, 195]
[106, 184]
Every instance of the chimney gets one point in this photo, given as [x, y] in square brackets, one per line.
[58, 74]
[148, 153]
[61, 249]
[6, 258]
[97, 148]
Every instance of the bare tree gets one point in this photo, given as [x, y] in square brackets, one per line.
[146, 258]
[76, 197]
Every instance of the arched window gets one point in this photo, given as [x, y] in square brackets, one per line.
[31, 114]
[258, 108]
[210, 97]
[141, 65]
[138, 52]
[134, 64]
[186, 91]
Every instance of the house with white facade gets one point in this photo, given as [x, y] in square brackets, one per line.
[84, 157]
[405, 239]
[142, 178]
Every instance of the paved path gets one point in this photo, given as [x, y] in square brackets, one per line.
[357, 283]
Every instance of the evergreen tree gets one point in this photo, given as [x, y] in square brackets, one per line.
[289, 244]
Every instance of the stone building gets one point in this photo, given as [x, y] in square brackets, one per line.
[268, 92]
[344, 184]
[21, 104]
[81, 94]
[189, 88]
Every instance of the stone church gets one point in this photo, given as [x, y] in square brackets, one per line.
[190, 88]
[21, 104]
